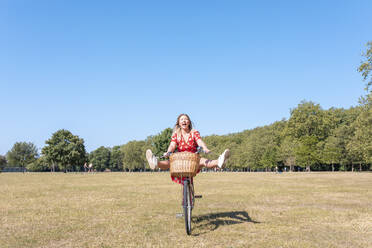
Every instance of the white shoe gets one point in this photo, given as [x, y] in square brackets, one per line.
[223, 158]
[151, 159]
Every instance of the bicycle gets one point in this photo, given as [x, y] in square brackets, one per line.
[188, 197]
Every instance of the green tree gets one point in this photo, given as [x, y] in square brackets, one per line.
[161, 142]
[116, 159]
[308, 119]
[343, 134]
[264, 150]
[134, 155]
[3, 162]
[100, 158]
[360, 145]
[332, 151]
[364, 129]
[270, 141]
[41, 164]
[307, 154]
[65, 150]
[269, 158]
[309, 125]
[238, 156]
[22, 154]
[287, 152]
[254, 150]
[355, 152]
[366, 66]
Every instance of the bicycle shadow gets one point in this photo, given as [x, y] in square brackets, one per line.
[210, 222]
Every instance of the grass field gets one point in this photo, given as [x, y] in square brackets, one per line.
[139, 210]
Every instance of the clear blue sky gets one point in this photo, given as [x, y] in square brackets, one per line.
[116, 71]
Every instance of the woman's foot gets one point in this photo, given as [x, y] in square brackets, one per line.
[151, 159]
[223, 158]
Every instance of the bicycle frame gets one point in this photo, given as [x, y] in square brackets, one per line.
[192, 193]
[188, 202]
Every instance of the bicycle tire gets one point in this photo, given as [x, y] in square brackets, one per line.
[187, 206]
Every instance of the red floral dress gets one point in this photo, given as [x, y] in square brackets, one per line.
[189, 145]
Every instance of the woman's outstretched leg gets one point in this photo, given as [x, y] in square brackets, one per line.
[220, 162]
[164, 164]
[154, 163]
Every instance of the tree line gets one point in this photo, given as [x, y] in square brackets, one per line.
[311, 139]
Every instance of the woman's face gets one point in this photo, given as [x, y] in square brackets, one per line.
[184, 123]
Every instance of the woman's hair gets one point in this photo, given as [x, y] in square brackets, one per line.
[177, 128]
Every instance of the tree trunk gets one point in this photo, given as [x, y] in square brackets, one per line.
[333, 167]
[360, 166]
[308, 168]
[291, 168]
[352, 167]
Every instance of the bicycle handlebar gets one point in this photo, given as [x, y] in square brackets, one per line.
[166, 155]
[198, 151]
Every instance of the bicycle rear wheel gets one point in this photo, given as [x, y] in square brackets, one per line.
[187, 205]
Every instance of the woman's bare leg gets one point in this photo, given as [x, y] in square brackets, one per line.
[164, 165]
[214, 163]
[154, 162]
[207, 163]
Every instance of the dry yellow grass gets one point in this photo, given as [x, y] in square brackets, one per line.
[139, 210]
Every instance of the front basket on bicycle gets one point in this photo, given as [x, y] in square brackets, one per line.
[184, 164]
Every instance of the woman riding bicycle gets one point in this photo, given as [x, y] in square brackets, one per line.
[186, 139]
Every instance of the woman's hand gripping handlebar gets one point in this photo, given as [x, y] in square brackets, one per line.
[166, 155]
[201, 150]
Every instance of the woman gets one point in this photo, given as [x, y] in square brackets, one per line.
[185, 138]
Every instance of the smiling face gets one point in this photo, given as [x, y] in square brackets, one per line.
[184, 123]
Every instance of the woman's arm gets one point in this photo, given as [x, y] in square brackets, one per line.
[201, 143]
[171, 148]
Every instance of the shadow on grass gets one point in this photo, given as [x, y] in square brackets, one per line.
[207, 223]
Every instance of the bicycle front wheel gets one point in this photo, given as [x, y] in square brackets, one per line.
[187, 205]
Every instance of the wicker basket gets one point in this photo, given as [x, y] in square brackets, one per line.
[184, 164]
